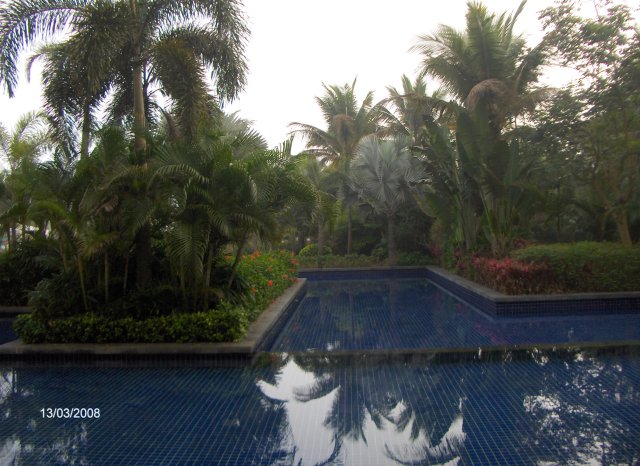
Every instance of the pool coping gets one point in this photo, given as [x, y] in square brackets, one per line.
[13, 311]
[257, 331]
[501, 305]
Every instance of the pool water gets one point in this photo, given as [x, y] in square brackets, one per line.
[537, 407]
[6, 330]
[322, 396]
[379, 314]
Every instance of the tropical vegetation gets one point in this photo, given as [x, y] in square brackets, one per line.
[133, 195]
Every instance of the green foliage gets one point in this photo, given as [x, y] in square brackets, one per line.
[359, 260]
[155, 314]
[57, 296]
[227, 324]
[21, 269]
[268, 275]
[336, 261]
[312, 250]
[588, 266]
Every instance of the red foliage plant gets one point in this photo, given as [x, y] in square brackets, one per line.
[508, 276]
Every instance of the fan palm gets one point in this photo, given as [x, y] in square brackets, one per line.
[129, 46]
[383, 171]
[486, 61]
[347, 123]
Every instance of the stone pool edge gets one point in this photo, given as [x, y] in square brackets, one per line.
[502, 305]
[257, 331]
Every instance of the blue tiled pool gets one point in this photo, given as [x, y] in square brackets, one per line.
[537, 407]
[390, 314]
[6, 330]
[363, 372]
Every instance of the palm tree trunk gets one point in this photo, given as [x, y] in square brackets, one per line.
[207, 279]
[349, 236]
[86, 132]
[320, 241]
[138, 92]
[622, 223]
[143, 257]
[83, 287]
[236, 261]
[106, 278]
[391, 241]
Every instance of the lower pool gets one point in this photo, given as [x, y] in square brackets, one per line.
[526, 408]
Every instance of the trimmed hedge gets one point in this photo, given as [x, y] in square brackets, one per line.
[358, 260]
[211, 326]
[587, 266]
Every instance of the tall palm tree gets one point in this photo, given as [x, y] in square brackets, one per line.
[411, 105]
[383, 171]
[132, 46]
[347, 123]
[485, 62]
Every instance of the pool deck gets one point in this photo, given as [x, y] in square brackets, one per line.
[247, 346]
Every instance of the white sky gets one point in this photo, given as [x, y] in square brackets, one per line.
[295, 45]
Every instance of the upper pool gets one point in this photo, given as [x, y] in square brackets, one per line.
[413, 313]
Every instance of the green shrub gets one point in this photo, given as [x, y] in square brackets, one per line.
[414, 258]
[58, 296]
[312, 250]
[334, 261]
[358, 260]
[267, 275]
[588, 266]
[227, 324]
[63, 320]
[22, 268]
[59, 315]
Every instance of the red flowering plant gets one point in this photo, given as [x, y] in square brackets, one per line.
[507, 275]
[267, 274]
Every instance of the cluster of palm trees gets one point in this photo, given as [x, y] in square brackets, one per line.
[168, 182]
[450, 152]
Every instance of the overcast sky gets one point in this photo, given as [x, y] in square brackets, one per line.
[296, 45]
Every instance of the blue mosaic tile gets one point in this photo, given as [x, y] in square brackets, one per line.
[575, 407]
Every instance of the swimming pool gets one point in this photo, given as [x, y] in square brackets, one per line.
[537, 407]
[406, 313]
[340, 387]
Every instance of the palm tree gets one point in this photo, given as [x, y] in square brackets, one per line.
[485, 62]
[347, 123]
[411, 106]
[383, 171]
[131, 46]
[222, 195]
[21, 148]
[325, 208]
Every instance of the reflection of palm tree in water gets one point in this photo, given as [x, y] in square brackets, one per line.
[360, 411]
